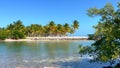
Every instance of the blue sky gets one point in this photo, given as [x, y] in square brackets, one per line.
[43, 11]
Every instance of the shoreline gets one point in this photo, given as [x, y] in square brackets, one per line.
[66, 38]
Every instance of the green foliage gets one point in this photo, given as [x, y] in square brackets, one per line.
[67, 28]
[18, 35]
[91, 36]
[86, 50]
[3, 35]
[17, 30]
[83, 50]
[50, 29]
[75, 24]
[107, 46]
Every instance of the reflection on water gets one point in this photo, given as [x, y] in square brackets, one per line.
[13, 54]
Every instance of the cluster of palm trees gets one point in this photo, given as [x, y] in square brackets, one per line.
[17, 30]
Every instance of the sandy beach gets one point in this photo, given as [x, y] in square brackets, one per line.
[50, 38]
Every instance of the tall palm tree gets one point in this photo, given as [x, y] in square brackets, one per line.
[28, 31]
[67, 28]
[75, 25]
[72, 31]
[52, 28]
[20, 27]
[59, 29]
[40, 30]
[34, 29]
[46, 30]
[9, 30]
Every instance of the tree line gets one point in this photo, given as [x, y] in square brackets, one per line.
[17, 30]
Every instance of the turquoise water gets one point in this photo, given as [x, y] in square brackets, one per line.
[13, 54]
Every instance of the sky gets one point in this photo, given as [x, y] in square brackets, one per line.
[59, 11]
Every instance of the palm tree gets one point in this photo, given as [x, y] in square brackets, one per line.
[75, 25]
[34, 29]
[52, 28]
[67, 28]
[40, 30]
[72, 31]
[9, 30]
[46, 30]
[59, 29]
[16, 27]
[28, 31]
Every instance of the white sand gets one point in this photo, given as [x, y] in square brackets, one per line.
[49, 38]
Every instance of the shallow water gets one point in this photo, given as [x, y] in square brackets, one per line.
[38, 54]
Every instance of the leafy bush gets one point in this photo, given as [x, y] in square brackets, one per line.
[107, 47]
[3, 35]
[17, 35]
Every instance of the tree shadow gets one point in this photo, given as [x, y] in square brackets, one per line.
[84, 63]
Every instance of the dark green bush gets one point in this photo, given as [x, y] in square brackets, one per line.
[17, 35]
[3, 35]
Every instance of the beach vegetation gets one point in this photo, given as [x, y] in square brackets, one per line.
[75, 25]
[3, 34]
[106, 47]
[92, 37]
[51, 29]
[17, 30]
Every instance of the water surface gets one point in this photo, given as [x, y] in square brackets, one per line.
[38, 53]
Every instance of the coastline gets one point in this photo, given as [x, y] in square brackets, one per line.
[65, 38]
